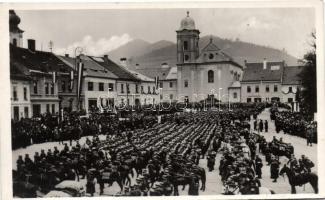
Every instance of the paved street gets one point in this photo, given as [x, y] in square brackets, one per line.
[214, 184]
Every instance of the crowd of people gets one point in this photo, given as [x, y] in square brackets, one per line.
[49, 128]
[163, 155]
[295, 123]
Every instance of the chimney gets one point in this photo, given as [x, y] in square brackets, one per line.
[245, 61]
[123, 62]
[31, 44]
[264, 63]
[106, 56]
[66, 55]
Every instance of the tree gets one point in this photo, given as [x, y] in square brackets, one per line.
[309, 80]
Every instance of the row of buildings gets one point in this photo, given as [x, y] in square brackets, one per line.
[44, 82]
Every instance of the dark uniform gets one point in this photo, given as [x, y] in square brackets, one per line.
[275, 164]
[258, 166]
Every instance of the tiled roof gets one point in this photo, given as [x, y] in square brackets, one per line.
[17, 72]
[153, 72]
[255, 72]
[37, 60]
[91, 67]
[141, 76]
[117, 70]
[172, 74]
[291, 75]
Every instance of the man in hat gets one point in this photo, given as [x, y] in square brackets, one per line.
[194, 185]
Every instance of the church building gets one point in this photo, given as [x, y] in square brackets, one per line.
[205, 74]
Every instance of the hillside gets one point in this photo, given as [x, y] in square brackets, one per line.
[154, 54]
[137, 48]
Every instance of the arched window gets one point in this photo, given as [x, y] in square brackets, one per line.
[210, 76]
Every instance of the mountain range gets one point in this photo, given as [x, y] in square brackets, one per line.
[141, 54]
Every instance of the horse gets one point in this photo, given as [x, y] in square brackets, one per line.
[300, 179]
[109, 178]
[281, 149]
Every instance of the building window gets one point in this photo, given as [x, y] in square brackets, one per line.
[16, 112]
[47, 108]
[14, 42]
[101, 86]
[26, 113]
[170, 84]
[122, 88]
[290, 100]
[15, 96]
[257, 89]
[211, 56]
[186, 83]
[90, 86]
[186, 57]
[210, 76]
[136, 88]
[111, 87]
[35, 87]
[142, 91]
[248, 89]
[185, 45]
[235, 95]
[128, 88]
[46, 88]
[171, 96]
[52, 88]
[161, 96]
[63, 86]
[249, 100]
[153, 90]
[161, 84]
[267, 88]
[53, 108]
[275, 88]
[149, 90]
[290, 89]
[25, 94]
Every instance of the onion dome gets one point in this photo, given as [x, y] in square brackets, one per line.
[14, 20]
[187, 23]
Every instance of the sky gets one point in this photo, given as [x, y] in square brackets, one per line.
[100, 31]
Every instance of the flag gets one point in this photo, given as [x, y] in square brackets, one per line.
[157, 81]
[79, 82]
[71, 79]
[54, 74]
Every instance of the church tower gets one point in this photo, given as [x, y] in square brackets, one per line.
[16, 34]
[187, 41]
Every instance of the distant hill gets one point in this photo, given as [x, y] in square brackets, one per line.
[153, 55]
[136, 48]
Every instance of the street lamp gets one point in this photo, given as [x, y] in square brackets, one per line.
[219, 98]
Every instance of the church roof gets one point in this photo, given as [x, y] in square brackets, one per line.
[211, 53]
[187, 23]
[14, 20]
